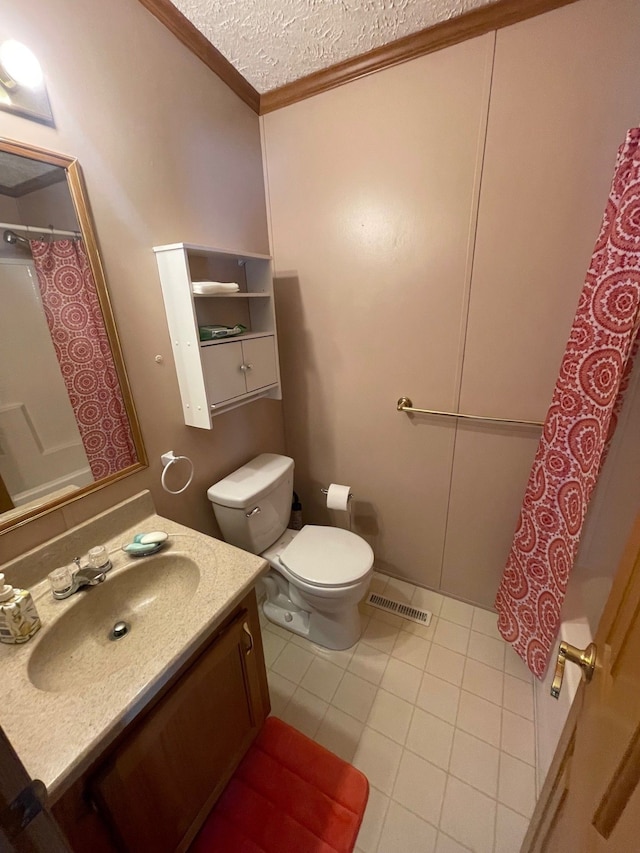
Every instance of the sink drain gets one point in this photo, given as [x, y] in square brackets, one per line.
[120, 629]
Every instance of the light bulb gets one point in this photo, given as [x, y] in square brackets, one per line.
[21, 64]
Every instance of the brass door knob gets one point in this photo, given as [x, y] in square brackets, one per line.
[585, 658]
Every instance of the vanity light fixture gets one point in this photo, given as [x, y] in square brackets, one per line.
[22, 87]
[19, 65]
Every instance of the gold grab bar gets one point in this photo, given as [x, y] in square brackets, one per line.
[405, 405]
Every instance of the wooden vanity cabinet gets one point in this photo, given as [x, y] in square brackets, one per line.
[155, 787]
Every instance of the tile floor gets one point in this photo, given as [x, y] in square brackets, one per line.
[439, 719]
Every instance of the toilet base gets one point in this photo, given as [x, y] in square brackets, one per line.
[296, 621]
[337, 631]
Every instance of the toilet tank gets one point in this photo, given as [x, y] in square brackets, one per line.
[253, 504]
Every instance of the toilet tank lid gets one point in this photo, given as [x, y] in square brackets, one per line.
[251, 482]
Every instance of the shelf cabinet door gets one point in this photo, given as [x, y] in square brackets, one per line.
[223, 377]
[261, 355]
[161, 782]
[233, 369]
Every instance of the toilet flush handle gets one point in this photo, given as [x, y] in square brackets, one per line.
[254, 511]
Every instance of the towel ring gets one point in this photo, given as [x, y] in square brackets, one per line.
[169, 459]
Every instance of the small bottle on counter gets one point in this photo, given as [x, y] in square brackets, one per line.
[19, 618]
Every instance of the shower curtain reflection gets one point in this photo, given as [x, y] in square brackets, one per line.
[41, 453]
[82, 348]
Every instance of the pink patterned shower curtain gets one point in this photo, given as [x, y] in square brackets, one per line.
[581, 420]
[82, 347]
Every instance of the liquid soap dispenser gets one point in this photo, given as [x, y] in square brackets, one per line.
[19, 618]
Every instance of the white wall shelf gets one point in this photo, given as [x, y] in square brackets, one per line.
[231, 295]
[215, 376]
[245, 336]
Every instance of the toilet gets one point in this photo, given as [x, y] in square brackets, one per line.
[318, 575]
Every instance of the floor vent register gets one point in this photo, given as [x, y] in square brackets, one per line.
[413, 614]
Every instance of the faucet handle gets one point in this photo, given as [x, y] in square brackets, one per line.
[99, 558]
[61, 581]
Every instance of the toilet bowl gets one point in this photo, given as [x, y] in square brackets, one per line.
[318, 575]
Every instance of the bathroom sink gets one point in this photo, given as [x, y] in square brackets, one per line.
[151, 596]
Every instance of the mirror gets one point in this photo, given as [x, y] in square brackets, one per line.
[67, 421]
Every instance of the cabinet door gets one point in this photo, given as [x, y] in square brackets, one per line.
[260, 354]
[158, 787]
[223, 377]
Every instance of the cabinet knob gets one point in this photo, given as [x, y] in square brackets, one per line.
[246, 367]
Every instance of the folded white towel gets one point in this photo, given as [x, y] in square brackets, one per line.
[204, 288]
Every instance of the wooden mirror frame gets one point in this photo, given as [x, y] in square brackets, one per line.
[75, 184]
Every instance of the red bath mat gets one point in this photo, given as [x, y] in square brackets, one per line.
[288, 794]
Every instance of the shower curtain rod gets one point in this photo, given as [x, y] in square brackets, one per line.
[34, 229]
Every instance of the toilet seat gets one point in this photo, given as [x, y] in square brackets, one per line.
[327, 556]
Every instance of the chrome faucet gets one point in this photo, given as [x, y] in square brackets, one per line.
[83, 576]
[88, 576]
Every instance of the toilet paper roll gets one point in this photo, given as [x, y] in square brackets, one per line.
[338, 496]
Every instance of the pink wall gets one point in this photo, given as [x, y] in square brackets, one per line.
[564, 93]
[409, 265]
[169, 154]
[385, 287]
[373, 189]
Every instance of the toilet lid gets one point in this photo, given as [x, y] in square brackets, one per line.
[327, 556]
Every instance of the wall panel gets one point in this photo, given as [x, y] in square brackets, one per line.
[373, 190]
[563, 94]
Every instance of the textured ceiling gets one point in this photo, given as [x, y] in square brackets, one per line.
[273, 42]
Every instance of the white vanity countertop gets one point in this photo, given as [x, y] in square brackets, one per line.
[58, 733]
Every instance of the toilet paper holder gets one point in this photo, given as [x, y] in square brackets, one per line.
[326, 492]
[338, 501]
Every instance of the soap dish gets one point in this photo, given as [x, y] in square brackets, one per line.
[145, 544]
[137, 549]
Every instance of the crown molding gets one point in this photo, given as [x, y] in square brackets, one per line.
[500, 14]
[192, 38]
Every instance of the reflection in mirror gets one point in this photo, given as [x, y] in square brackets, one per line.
[67, 422]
